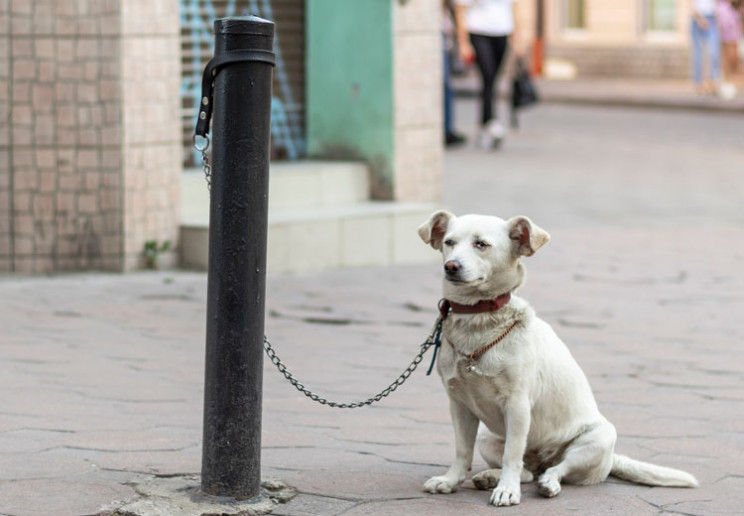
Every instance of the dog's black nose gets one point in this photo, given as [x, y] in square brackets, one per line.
[452, 267]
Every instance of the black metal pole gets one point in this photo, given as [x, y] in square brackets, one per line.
[231, 457]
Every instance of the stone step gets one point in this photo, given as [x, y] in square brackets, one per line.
[354, 235]
[318, 219]
[298, 184]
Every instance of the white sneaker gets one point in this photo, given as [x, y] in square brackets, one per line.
[496, 129]
[491, 135]
[727, 91]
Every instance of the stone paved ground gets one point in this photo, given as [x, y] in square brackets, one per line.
[101, 385]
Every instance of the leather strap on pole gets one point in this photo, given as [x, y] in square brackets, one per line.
[210, 72]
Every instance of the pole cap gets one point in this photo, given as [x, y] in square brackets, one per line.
[244, 25]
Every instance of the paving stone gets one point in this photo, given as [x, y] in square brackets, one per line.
[165, 438]
[164, 463]
[433, 505]
[29, 441]
[41, 497]
[48, 464]
[721, 497]
[310, 505]
[319, 459]
[359, 485]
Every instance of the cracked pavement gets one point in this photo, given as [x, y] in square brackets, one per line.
[101, 385]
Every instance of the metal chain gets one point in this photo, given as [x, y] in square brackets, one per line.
[433, 340]
[205, 160]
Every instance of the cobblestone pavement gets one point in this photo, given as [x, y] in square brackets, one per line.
[101, 385]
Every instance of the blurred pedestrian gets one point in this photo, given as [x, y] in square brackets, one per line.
[729, 23]
[451, 136]
[485, 28]
[705, 38]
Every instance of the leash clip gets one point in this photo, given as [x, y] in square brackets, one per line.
[435, 339]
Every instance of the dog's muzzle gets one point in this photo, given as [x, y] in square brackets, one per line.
[452, 268]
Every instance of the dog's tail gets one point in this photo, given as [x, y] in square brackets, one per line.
[650, 474]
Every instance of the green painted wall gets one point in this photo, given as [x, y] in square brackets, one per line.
[349, 90]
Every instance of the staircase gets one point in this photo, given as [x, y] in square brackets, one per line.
[319, 218]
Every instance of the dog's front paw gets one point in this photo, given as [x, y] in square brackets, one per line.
[442, 484]
[505, 495]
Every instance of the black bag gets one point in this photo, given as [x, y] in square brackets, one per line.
[523, 92]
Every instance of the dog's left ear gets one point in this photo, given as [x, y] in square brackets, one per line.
[432, 231]
[527, 237]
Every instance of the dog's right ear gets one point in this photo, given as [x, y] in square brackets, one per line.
[432, 231]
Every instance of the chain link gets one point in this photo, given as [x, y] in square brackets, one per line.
[205, 161]
[433, 340]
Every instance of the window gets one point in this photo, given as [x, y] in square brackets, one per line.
[575, 14]
[661, 15]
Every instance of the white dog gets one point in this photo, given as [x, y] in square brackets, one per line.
[505, 369]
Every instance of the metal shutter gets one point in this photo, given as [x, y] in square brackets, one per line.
[287, 108]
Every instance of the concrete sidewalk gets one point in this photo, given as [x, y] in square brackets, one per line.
[102, 375]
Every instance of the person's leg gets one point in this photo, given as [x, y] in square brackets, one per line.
[451, 137]
[489, 55]
[484, 59]
[733, 52]
[714, 47]
[494, 131]
[697, 54]
[499, 45]
[728, 60]
[447, 90]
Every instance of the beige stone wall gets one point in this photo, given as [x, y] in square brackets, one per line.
[417, 93]
[91, 90]
[643, 62]
[5, 183]
[152, 156]
[615, 41]
[613, 23]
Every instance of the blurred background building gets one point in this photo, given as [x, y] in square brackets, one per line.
[613, 38]
[90, 147]
[99, 96]
[98, 99]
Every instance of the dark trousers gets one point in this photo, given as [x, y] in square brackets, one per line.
[448, 97]
[489, 54]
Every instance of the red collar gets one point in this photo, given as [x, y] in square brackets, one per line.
[484, 305]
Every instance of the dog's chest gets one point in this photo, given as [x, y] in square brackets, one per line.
[459, 374]
[483, 392]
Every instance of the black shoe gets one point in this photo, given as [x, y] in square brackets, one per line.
[453, 138]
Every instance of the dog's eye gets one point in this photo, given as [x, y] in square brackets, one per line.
[449, 242]
[480, 244]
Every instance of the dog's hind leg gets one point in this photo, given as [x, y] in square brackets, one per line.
[587, 460]
[490, 446]
[489, 478]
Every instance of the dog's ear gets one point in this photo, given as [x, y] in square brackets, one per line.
[527, 236]
[432, 231]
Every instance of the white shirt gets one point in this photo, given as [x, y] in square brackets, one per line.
[704, 7]
[489, 17]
